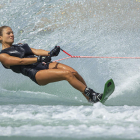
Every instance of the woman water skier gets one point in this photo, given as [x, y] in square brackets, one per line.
[37, 65]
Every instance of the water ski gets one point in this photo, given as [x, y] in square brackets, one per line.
[108, 90]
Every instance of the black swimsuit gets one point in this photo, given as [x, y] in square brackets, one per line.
[24, 51]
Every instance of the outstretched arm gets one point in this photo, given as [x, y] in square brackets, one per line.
[40, 52]
[8, 60]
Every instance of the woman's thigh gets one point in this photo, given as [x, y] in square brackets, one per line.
[56, 65]
[44, 77]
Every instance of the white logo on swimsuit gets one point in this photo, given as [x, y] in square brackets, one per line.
[20, 44]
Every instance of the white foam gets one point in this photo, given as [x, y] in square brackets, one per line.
[128, 85]
[79, 131]
[70, 121]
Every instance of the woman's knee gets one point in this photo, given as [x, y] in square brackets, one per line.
[68, 74]
[75, 73]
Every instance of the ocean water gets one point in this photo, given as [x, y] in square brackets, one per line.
[83, 28]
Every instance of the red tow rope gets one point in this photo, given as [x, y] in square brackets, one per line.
[70, 56]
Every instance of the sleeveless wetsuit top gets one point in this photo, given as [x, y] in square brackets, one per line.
[24, 51]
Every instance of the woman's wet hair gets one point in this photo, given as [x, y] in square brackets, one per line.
[1, 31]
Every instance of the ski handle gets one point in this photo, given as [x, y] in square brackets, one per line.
[50, 55]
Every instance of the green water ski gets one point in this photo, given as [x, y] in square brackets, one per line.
[108, 90]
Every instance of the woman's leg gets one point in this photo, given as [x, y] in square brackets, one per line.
[44, 77]
[56, 65]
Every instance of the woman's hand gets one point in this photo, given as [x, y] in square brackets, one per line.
[55, 51]
[45, 59]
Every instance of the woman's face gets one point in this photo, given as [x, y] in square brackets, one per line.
[8, 36]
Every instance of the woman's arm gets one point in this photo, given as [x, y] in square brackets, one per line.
[8, 60]
[40, 52]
